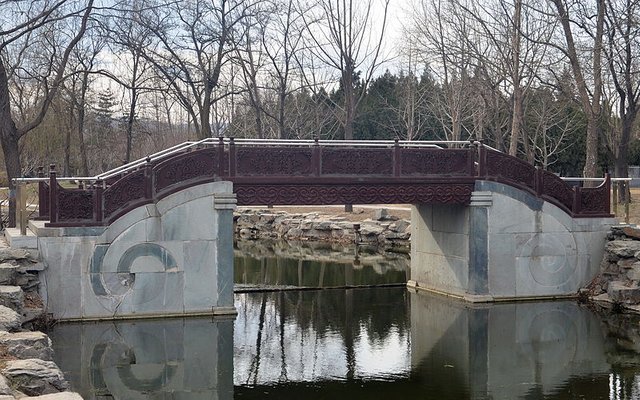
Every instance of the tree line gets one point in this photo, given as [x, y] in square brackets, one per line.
[92, 84]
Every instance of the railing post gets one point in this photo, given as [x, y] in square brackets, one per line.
[538, 181]
[148, 179]
[482, 160]
[98, 201]
[21, 203]
[316, 156]
[615, 197]
[232, 157]
[397, 158]
[220, 155]
[53, 194]
[471, 166]
[43, 199]
[577, 200]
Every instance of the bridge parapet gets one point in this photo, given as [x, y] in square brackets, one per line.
[314, 172]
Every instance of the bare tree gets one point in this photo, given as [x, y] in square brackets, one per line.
[580, 16]
[195, 42]
[441, 29]
[622, 50]
[25, 23]
[282, 41]
[343, 34]
[127, 39]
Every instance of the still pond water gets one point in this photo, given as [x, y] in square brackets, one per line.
[353, 343]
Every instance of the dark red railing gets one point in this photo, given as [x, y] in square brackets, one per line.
[316, 174]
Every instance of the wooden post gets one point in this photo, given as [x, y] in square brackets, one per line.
[315, 158]
[148, 180]
[482, 161]
[53, 194]
[220, 156]
[98, 202]
[21, 202]
[232, 157]
[615, 197]
[626, 201]
[577, 200]
[538, 181]
[397, 158]
[43, 199]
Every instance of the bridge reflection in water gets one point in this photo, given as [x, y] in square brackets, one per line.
[354, 343]
[278, 264]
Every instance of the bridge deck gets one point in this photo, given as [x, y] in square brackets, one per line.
[310, 172]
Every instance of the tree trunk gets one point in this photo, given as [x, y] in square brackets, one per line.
[9, 139]
[81, 113]
[349, 103]
[130, 120]
[590, 102]
[516, 119]
[282, 98]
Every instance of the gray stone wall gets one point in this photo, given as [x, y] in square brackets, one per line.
[507, 244]
[170, 258]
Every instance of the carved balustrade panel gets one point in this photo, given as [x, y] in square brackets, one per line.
[435, 162]
[128, 189]
[256, 161]
[595, 200]
[357, 161]
[196, 164]
[556, 188]
[511, 168]
[43, 199]
[75, 204]
[361, 194]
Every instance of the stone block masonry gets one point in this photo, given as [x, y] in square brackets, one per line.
[617, 284]
[171, 258]
[506, 245]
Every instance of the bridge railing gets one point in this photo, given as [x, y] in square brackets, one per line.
[101, 199]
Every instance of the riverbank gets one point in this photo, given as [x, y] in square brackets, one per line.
[386, 228]
[617, 286]
[27, 369]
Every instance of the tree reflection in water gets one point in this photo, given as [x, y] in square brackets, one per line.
[320, 334]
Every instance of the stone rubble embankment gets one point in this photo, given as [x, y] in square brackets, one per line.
[384, 230]
[27, 370]
[618, 283]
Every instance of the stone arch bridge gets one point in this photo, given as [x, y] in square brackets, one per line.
[154, 237]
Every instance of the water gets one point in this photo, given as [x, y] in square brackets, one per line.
[357, 343]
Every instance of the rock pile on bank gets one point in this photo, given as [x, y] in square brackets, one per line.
[385, 230]
[618, 283]
[27, 370]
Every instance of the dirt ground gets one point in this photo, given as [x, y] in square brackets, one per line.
[360, 213]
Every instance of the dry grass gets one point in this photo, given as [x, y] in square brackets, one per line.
[634, 208]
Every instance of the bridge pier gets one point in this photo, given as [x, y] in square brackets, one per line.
[173, 257]
[505, 245]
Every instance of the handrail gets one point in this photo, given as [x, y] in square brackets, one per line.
[99, 200]
[436, 144]
[571, 178]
